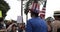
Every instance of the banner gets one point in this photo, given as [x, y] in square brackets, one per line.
[19, 19]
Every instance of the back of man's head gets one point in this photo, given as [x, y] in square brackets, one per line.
[34, 14]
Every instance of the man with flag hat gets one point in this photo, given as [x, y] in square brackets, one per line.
[56, 23]
[36, 24]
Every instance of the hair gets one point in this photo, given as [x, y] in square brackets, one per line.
[34, 14]
[57, 16]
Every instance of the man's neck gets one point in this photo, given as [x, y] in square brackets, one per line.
[33, 16]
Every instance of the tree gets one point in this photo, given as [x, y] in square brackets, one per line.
[27, 7]
[4, 7]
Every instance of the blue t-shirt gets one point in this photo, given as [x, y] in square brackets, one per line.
[36, 25]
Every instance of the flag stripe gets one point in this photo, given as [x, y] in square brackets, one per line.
[42, 12]
[35, 7]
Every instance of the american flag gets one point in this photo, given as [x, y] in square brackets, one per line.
[42, 12]
[35, 7]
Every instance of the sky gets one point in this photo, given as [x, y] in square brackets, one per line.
[52, 5]
[15, 9]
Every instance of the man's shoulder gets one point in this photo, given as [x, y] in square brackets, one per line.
[55, 22]
[30, 20]
[34, 19]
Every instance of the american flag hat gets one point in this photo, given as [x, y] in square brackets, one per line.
[35, 7]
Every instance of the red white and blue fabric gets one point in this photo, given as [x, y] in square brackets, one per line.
[35, 7]
[42, 12]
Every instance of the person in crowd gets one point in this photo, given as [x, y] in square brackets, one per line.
[14, 28]
[56, 23]
[36, 24]
[1, 23]
[13, 21]
[8, 23]
[49, 21]
[21, 27]
[11, 27]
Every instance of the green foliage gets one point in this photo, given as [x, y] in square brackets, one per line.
[4, 7]
[27, 7]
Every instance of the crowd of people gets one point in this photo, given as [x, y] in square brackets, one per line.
[35, 24]
[39, 24]
[11, 26]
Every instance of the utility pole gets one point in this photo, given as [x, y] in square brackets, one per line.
[22, 10]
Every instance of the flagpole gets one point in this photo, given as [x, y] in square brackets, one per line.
[22, 10]
[26, 17]
[43, 11]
